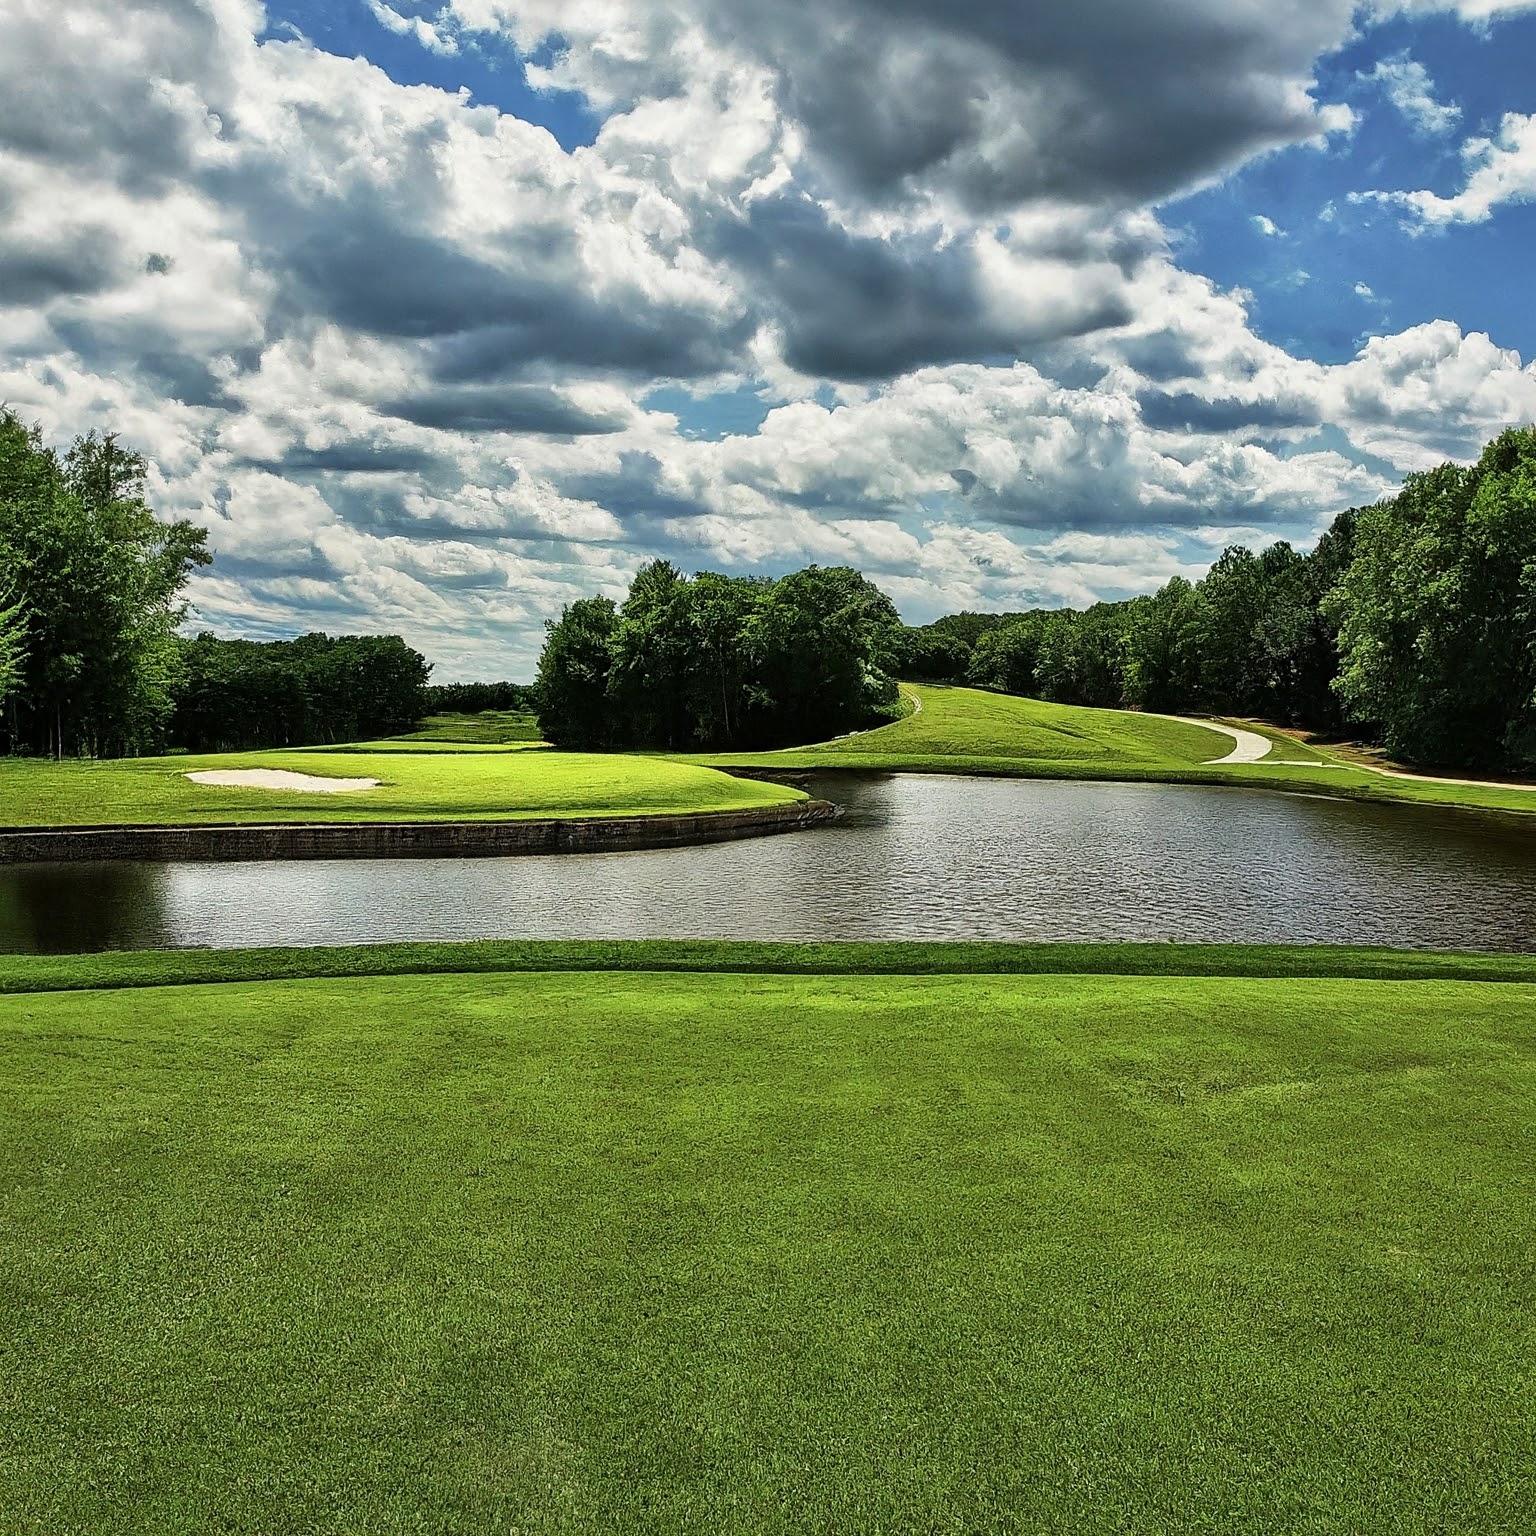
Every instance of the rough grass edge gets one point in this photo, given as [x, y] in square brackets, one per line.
[160, 968]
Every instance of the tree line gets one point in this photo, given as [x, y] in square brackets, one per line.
[230, 695]
[717, 661]
[1413, 623]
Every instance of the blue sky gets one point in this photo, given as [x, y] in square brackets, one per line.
[1470, 273]
[443, 313]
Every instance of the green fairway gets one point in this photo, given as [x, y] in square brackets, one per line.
[703, 1252]
[431, 784]
[966, 730]
[489, 727]
[966, 722]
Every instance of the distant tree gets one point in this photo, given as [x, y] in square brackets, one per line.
[232, 694]
[719, 616]
[1163, 658]
[652, 655]
[816, 638]
[572, 697]
[1007, 658]
[477, 698]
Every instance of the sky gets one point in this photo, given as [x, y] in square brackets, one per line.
[441, 314]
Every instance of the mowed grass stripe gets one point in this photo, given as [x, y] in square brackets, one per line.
[769, 1254]
[155, 968]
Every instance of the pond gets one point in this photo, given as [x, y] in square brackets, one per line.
[914, 857]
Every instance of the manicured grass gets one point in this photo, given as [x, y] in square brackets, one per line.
[429, 785]
[163, 968]
[489, 727]
[965, 730]
[966, 722]
[773, 1253]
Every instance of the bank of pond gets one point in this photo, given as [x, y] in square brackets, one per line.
[912, 857]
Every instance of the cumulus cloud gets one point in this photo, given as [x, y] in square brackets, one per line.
[1406, 84]
[1500, 170]
[393, 348]
[1108, 101]
[434, 37]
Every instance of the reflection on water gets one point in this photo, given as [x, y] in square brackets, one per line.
[914, 858]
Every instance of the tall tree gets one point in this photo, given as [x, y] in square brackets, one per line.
[652, 656]
[816, 638]
[101, 578]
[13, 641]
[571, 692]
[1437, 612]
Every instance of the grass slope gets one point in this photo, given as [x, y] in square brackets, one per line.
[429, 785]
[160, 967]
[704, 1253]
[488, 727]
[964, 730]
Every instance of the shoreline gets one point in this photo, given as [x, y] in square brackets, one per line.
[255, 842]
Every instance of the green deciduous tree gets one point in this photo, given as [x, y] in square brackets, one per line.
[571, 692]
[101, 578]
[1437, 612]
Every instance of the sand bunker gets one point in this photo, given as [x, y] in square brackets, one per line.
[280, 778]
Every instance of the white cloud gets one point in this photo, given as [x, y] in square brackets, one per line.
[391, 348]
[1408, 87]
[434, 37]
[1266, 225]
[1500, 170]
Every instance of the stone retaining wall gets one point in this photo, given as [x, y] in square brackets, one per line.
[404, 840]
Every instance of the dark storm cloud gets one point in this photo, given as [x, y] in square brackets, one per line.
[38, 274]
[1005, 100]
[499, 408]
[356, 458]
[364, 267]
[859, 308]
[1194, 413]
[636, 489]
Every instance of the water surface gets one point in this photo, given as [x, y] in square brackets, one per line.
[915, 857]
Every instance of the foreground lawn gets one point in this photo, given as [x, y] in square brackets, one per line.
[626, 1252]
[966, 730]
[428, 785]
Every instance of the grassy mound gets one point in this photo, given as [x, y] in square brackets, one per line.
[429, 785]
[965, 722]
[703, 1253]
[964, 730]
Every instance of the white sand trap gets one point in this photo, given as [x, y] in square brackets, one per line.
[280, 778]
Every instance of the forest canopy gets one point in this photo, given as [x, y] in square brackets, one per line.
[719, 661]
[90, 597]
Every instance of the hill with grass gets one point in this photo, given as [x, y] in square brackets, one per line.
[968, 730]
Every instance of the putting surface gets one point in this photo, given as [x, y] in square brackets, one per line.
[772, 1253]
[427, 785]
